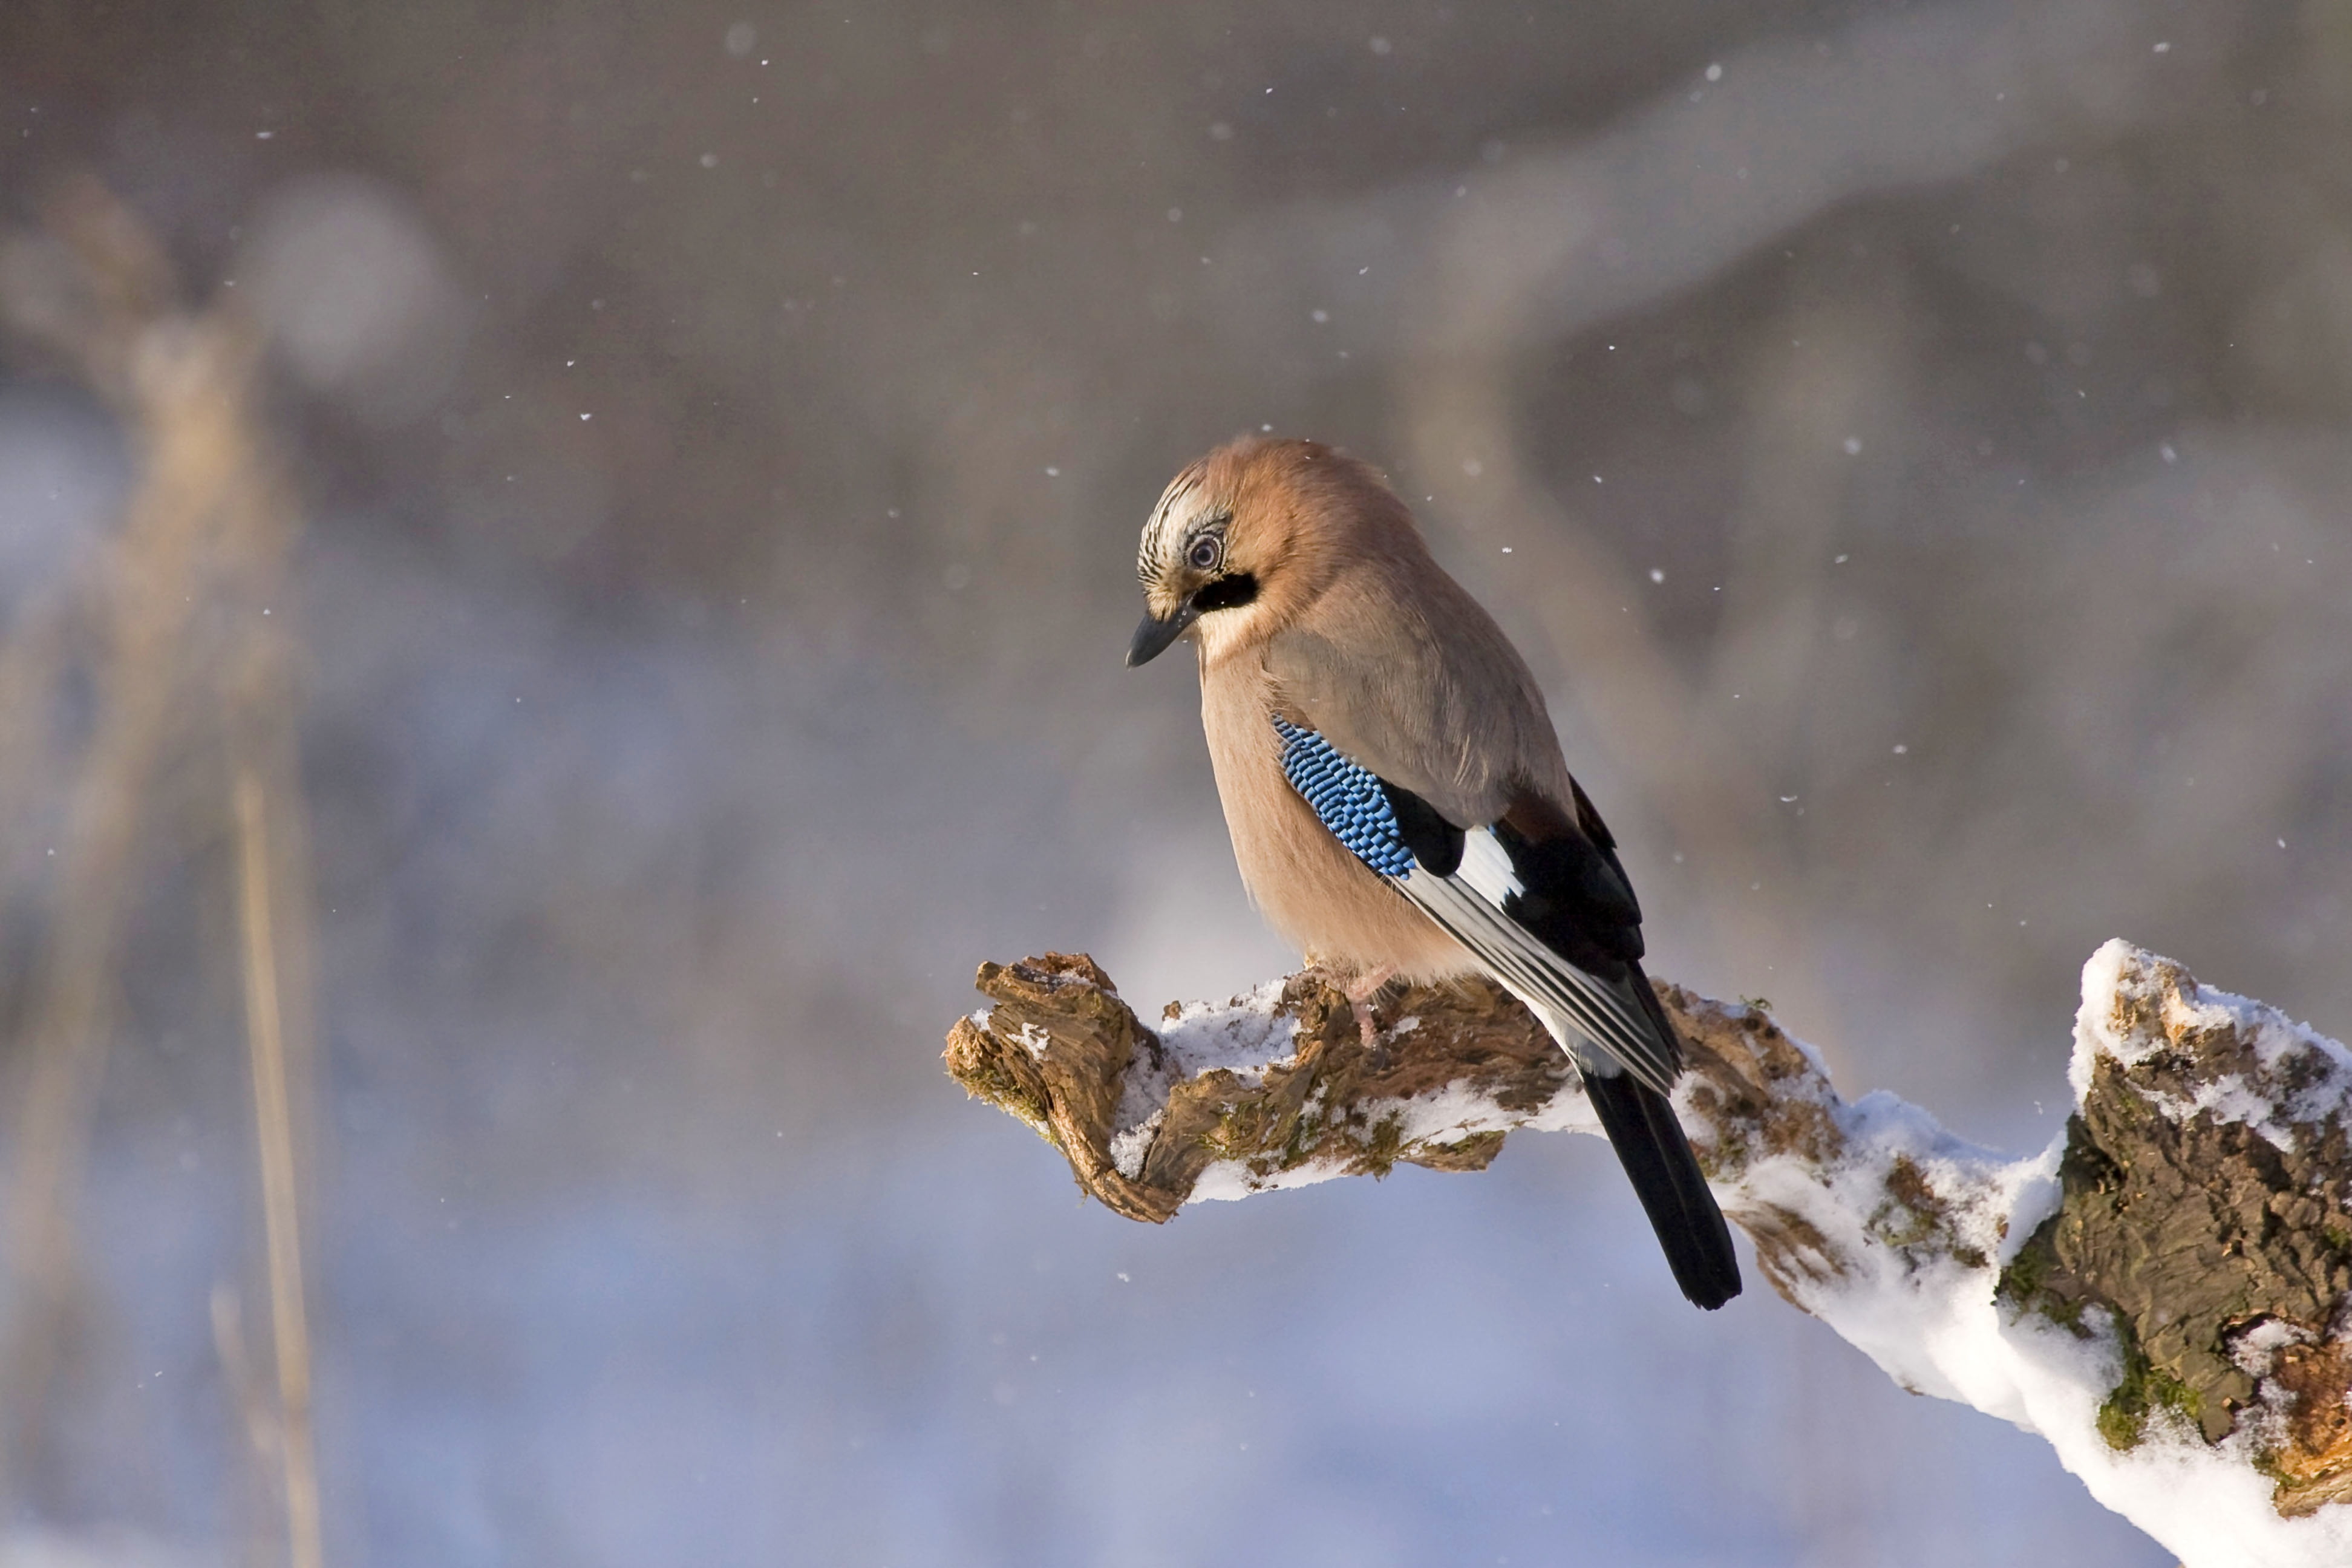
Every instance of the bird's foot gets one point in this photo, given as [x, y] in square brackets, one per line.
[1360, 987]
[1361, 995]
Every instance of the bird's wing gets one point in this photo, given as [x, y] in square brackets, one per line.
[1406, 675]
[1541, 904]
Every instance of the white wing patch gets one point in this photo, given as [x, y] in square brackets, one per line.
[1486, 866]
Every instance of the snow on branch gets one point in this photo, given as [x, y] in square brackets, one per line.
[2164, 1293]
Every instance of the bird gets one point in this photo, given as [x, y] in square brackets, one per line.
[1399, 804]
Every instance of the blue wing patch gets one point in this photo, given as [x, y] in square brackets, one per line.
[1599, 1023]
[1347, 798]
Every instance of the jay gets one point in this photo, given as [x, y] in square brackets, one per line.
[1399, 806]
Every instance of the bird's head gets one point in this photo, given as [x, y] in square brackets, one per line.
[1247, 537]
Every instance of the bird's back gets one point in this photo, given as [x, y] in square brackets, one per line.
[1403, 670]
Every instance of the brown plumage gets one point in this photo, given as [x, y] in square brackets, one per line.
[1344, 637]
[1316, 609]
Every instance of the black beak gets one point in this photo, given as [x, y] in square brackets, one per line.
[1153, 638]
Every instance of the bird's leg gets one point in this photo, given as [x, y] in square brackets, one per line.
[1359, 987]
[1360, 993]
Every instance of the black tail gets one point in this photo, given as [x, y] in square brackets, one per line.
[1657, 1157]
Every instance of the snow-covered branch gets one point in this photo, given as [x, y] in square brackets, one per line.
[2161, 1293]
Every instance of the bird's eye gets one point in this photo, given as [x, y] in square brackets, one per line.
[1206, 552]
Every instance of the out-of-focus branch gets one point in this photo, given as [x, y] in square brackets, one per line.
[191, 660]
[2162, 1293]
[274, 1126]
[90, 290]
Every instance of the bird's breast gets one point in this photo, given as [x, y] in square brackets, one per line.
[1312, 889]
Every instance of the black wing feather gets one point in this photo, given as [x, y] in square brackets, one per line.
[1436, 843]
[1579, 901]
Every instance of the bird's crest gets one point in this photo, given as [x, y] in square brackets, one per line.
[1171, 524]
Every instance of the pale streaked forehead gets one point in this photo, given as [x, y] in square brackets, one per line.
[1171, 521]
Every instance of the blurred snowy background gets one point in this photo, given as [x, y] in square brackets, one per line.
[1908, 440]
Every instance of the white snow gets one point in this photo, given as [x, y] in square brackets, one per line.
[1127, 1148]
[1244, 1037]
[1229, 1181]
[2120, 975]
